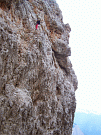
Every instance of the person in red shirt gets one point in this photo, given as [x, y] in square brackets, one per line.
[38, 22]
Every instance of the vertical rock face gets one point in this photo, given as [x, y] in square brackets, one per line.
[37, 82]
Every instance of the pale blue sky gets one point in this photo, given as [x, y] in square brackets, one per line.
[85, 42]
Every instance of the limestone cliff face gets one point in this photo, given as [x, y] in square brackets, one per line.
[37, 82]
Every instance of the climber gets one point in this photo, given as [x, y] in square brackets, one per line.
[38, 22]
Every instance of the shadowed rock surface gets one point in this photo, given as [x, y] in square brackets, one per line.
[37, 82]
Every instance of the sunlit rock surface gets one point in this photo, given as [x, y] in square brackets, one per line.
[37, 82]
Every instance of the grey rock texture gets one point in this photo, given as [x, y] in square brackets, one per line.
[37, 82]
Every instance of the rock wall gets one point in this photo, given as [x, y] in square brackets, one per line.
[37, 82]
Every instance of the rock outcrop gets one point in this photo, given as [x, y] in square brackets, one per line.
[37, 82]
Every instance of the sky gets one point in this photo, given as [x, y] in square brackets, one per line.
[84, 18]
